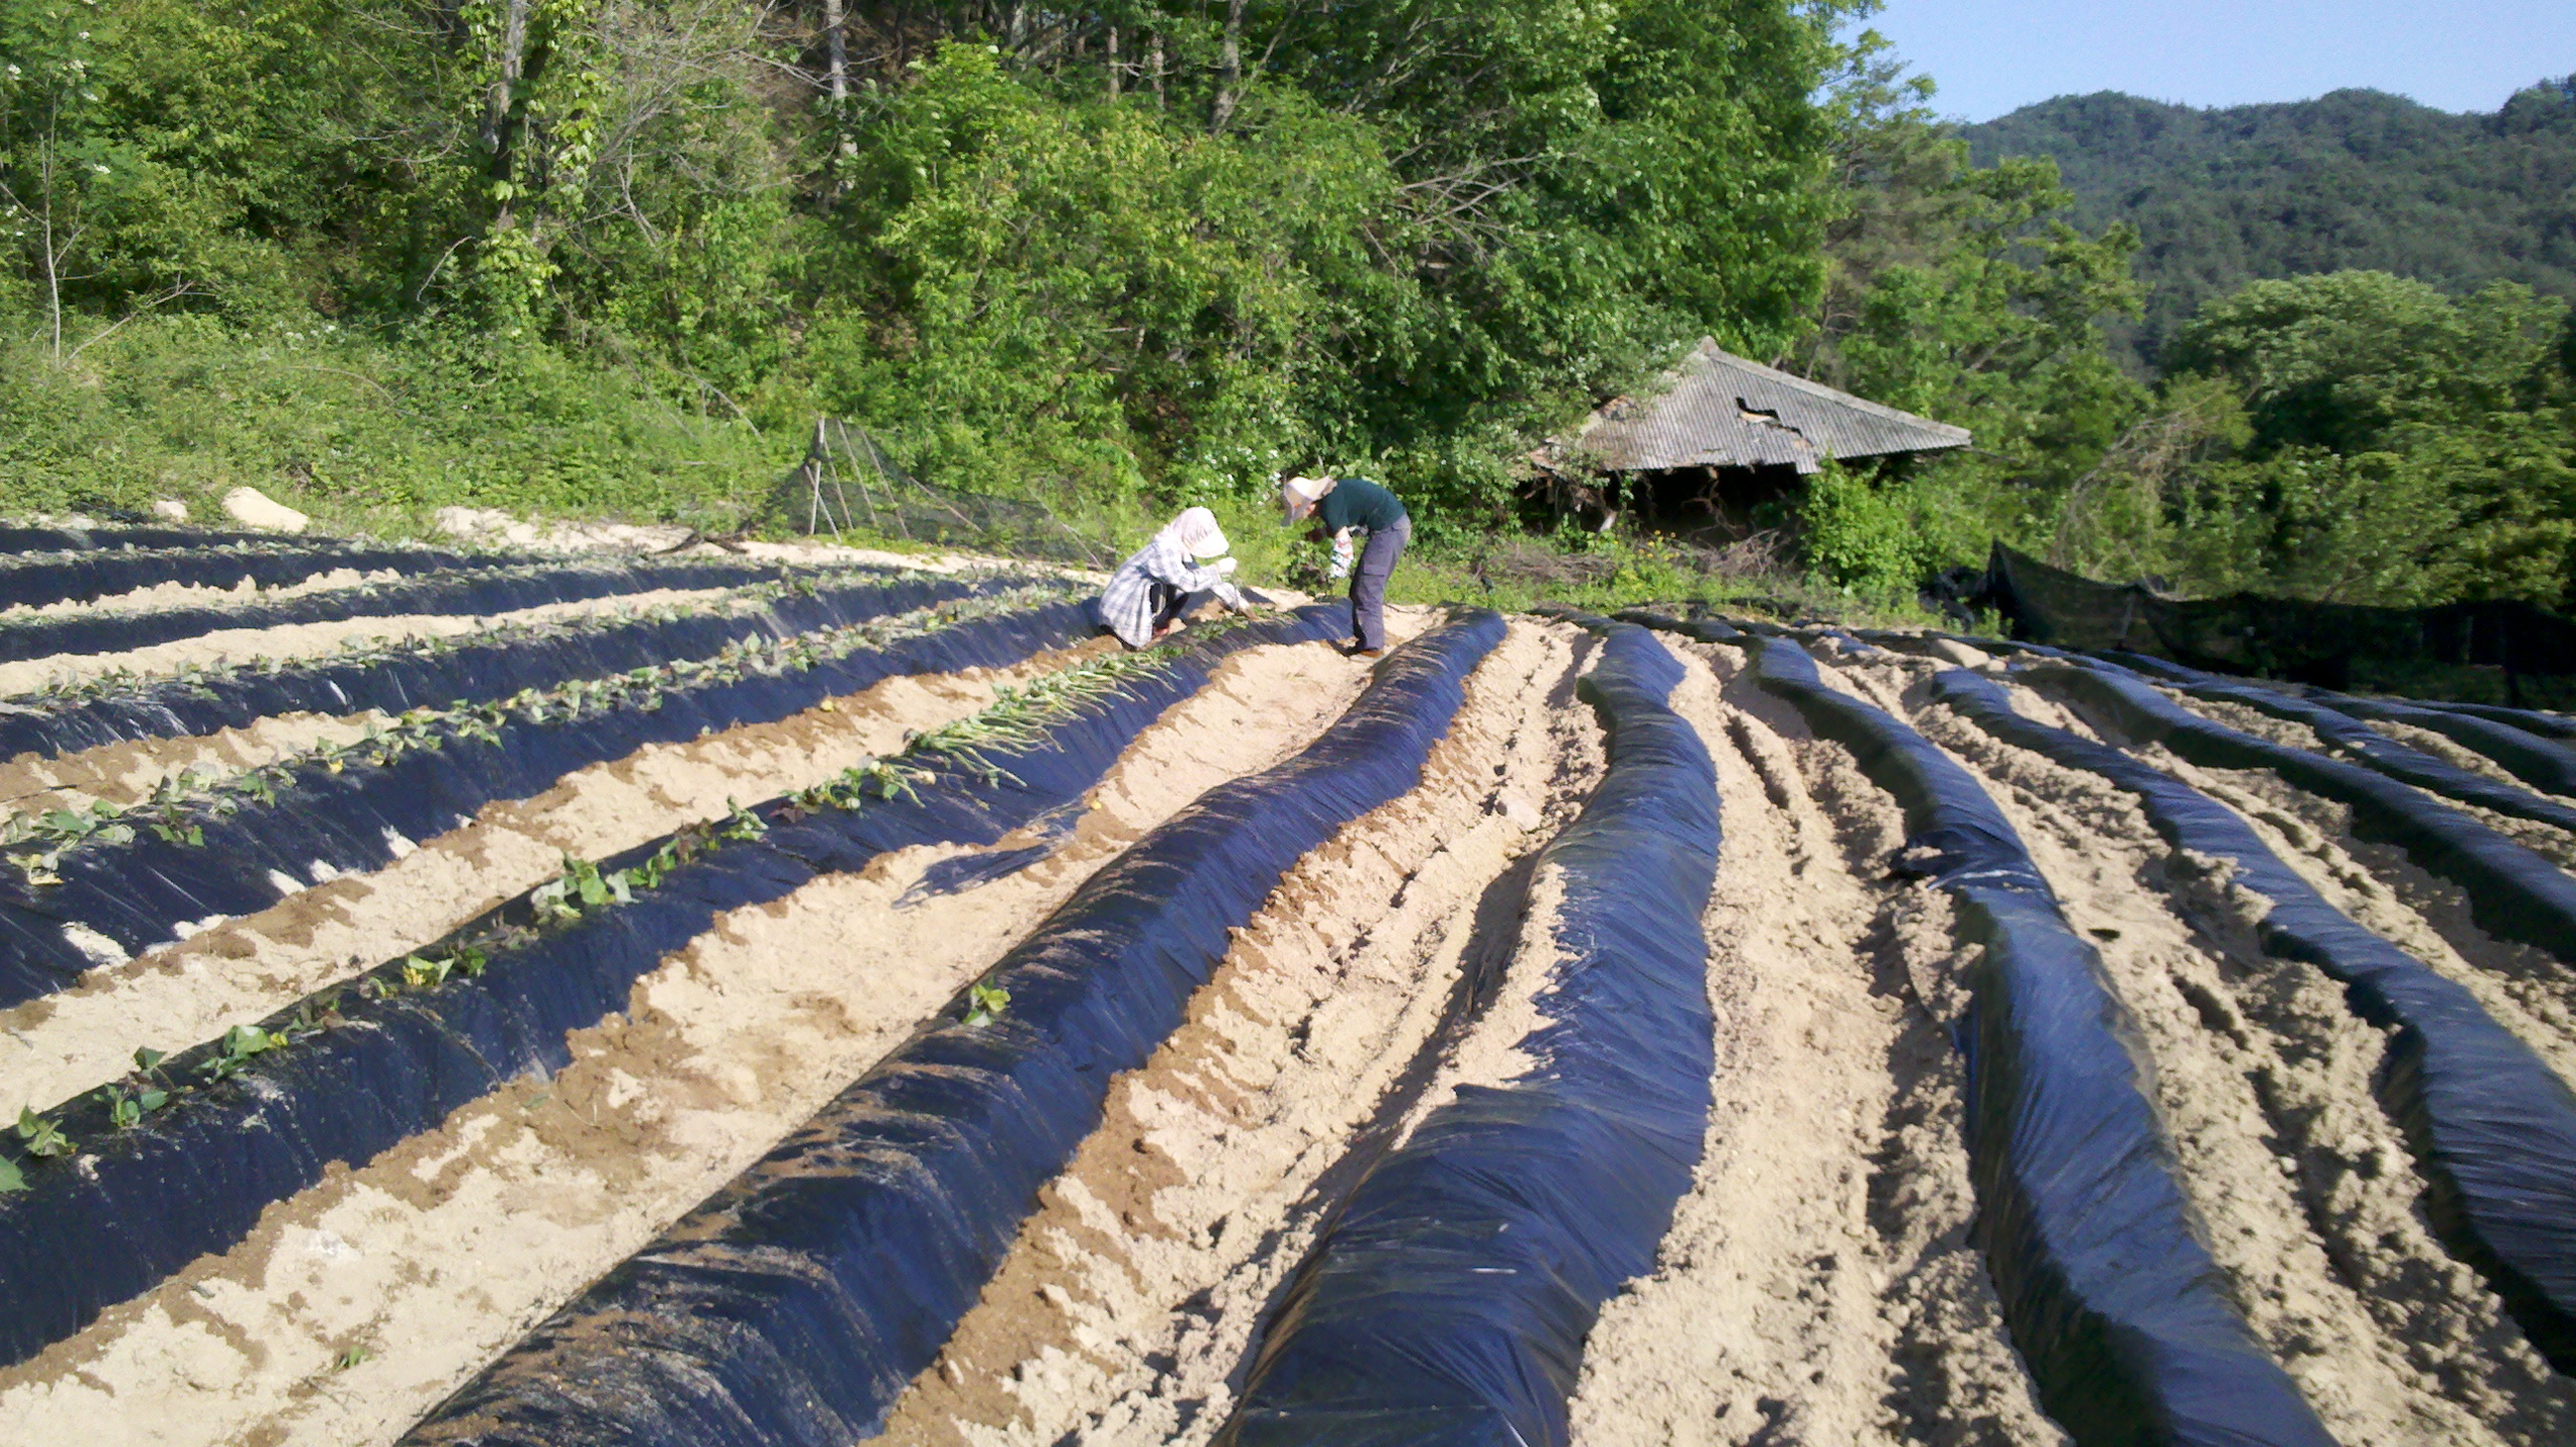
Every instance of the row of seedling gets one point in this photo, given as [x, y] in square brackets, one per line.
[129, 684]
[179, 807]
[1016, 718]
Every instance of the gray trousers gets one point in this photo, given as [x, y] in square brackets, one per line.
[1368, 582]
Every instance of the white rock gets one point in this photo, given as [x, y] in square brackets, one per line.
[253, 508]
[170, 509]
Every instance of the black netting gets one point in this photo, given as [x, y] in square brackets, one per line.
[848, 482]
[2498, 651]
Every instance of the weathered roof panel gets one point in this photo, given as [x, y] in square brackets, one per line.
[1726, 411]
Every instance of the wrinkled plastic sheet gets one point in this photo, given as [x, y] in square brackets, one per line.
[79, 577]
[2111, 1298]
[57, 540]
[467, 593]
[2529, 720]
[464, 670]
[327, 824]
[1448, 1299]
[2513, 892]
[142, 1203]
[1698, 630]
[795, 1305]
[2492, 1127]
[2534, 758]
[2340, 726]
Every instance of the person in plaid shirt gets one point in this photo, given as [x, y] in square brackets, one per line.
[1183, 567]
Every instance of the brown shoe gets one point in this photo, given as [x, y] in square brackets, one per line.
[1365, 652]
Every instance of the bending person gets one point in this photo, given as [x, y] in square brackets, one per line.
[1341, 506]
[1166, 580]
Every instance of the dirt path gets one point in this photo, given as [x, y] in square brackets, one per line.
[1132, 1294]
[432, 1258]
[1817, 1285]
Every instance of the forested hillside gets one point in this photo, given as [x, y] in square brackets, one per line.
[2357, 179]
[1122, 244]
[615, 257]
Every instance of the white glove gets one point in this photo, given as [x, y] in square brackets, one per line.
[1224, 567]
[1341, 557]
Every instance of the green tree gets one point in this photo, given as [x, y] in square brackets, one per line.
[2402, 447]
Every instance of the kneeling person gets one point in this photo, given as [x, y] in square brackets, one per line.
[1183, 567]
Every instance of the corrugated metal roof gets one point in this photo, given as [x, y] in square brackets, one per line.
[1725, 411]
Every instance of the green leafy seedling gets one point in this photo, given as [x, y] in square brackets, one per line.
[127, 1111]
[350, 1358]
[986, 1004]
[43, 1137]
[239, 1045]
[12, 1179]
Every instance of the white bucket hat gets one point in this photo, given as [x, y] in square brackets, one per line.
[1196, 529]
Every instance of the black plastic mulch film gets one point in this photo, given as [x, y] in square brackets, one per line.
[325, 824]
[141, 1203]
[2492, 1127]
[2512, 891]
[56, 540]
[454, 592]
[79, 577]
[458, 671]
[1448, 1299]
[794, 1305]
[2110, 1296]
[2527, 754]
[2527, 742]
[2340, 726]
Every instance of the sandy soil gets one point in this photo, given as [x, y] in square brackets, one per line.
[2263, 1076]
[432, 1258]
[1817, 1285]
[199, 595]
[1130, 1298]
[242, 969]
[125, 773]
[2548, 840]
[311, 640]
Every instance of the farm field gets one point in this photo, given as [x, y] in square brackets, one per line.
[493, 998]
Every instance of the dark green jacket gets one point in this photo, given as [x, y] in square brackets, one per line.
[1356, 502]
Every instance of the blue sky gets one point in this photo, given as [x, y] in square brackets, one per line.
[1992, 56]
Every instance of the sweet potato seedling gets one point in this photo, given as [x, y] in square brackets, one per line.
[986, 1003]
[43, 1138]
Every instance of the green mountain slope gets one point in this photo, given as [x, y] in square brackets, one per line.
[2354, 179]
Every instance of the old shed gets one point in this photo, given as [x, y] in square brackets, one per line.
[1724, 438]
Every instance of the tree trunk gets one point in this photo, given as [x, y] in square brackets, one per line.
[1112, 52]
[1158, 70]
[1229, 65]
[836, 58]
[496, 101]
